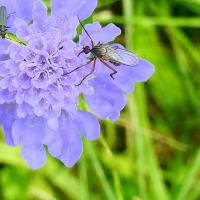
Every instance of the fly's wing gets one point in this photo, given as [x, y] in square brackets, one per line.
[3, 16]
[118, 56]
[13, 38]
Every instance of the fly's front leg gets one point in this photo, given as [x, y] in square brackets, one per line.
[107, 65]
[80, 66]
[93, 68]
[10, 15]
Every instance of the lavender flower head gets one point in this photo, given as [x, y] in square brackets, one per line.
[38, 95]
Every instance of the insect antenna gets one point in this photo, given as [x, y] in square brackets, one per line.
[86, 32]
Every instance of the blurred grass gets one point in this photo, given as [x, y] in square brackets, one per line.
[152, 152]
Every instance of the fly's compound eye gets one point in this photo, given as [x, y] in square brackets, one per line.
[86, 49]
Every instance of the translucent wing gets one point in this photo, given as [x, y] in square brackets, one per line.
[118, 55]
[13, 38]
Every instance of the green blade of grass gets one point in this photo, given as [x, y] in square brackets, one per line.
[99, 171]
[190, 179]
[193, 22]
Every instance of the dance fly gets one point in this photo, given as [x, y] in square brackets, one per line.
[107, 54]
[3, 28]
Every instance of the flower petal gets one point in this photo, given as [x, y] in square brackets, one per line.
[107, 33]
[39, 11]
[35, 155]
[99, 34]
[107, 99]
[4, 57]
[73, 147]
[7, 117]
[140, 72]
[81, 8]
[23, 9]
[89, 125]
[53, 124]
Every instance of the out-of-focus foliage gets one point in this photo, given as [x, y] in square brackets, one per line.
[152, 152]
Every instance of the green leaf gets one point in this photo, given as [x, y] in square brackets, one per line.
[14, 39]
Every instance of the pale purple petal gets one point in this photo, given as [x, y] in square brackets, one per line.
[23, 9]
[53, 124]
[140, 72]
[28, 132]
[72, 149]
[81, 8]
[89, 125]
[107, 100]
[125, 83]
[3, 57]
[40, 19]
[35, 155]
[55, 147]
[7, 118]
[39, 12]
[98, 34]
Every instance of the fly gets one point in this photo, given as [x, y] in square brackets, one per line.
[3, 28]
[107, 54]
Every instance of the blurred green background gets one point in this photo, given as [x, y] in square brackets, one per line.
[152, 152]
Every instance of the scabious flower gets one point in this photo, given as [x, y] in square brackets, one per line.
[38, 95]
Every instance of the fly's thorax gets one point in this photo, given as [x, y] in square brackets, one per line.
[99, 51]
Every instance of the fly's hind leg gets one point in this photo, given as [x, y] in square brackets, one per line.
[112, 74]
[10, 15]
[107, 65]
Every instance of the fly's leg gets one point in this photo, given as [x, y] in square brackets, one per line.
[107, 65]
[80, 53]
[93, 68]
[80, 66]
[10, 15]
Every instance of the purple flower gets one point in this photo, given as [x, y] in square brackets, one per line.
[38, 99]
[39, 96]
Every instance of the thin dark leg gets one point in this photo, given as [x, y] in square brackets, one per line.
[93, 68]
[10, 15]
[80, 53]
[80, 66]
[107, 65]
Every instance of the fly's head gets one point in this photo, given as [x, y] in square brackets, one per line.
[86, 50]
